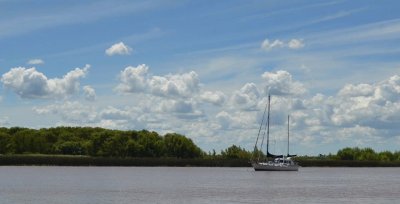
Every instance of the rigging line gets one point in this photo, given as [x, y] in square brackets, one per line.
[262, 141]
[266, 127]
[256, 151]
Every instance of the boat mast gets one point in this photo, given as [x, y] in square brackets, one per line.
[269, 109]
[256, 151]
[288, 135]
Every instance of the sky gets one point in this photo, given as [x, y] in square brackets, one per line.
[204, 69]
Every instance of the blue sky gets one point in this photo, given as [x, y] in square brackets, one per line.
[204, 68]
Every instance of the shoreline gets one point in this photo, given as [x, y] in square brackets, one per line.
[70, 160]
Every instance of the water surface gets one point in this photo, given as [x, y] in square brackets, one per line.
[197, 185]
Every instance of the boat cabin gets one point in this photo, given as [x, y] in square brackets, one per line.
[286, 160]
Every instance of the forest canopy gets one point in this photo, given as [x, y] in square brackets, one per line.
[96, 142]
[100, 142]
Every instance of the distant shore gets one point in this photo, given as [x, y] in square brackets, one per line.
[62, 160]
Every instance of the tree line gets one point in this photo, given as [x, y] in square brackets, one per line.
[366, 154]
[97, 142]
[100, 142]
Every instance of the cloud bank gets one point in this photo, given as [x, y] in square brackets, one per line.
[138, 80]
[30, 83]
[357, 114]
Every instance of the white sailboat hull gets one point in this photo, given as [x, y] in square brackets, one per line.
[271, 166]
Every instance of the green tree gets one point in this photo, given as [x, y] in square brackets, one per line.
[180, 146]
[6, 144]
[70, 148]
[134, 149]
[24, 141]
[97, 141]
[116, 146]
[152, 144]
[346, 154]
[367, 154]
[386, 156]
[235, 152]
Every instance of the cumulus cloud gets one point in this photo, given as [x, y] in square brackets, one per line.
[358, 112]
[177, 106]
[138, 80]
[351, 90]
[112, 113]
[70, 112]
[90, 93]
[224, 119]
[30, 83]
[216, 98]
[184, 109]
[268, 44]
[236, 120]
[282, 83]
[247, 97]
[133, 79]
[35, 61]
[375, 105]
[118, 49]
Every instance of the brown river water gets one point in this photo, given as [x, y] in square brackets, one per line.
[33, 184]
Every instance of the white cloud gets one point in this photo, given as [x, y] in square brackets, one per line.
[295, 44]
[356, 114]
[183, 85]
[224, 119]
[267, 45]
[29, 83]
[112, 113]
[133, 79]
[216, 98]
[35, 61]
[4, 121]
[89, 93]
[236, 120]
[118, 49]
[374, 105]
[247, 97]
[71, 112]
[137, 80]
[292, 44]
[281, 83]
[357, 90]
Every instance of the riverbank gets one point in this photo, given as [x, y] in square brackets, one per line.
[346, 163]
[62, 160]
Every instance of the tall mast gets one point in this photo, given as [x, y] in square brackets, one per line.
[269, 108]
[256, 151]
[288, 135]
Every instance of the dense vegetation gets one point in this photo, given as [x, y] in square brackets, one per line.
[99, 146]
[358, 154]
[96, 142]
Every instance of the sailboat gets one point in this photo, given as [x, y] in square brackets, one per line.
[272, 162]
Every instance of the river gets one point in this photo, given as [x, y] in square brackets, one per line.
[35, 184]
